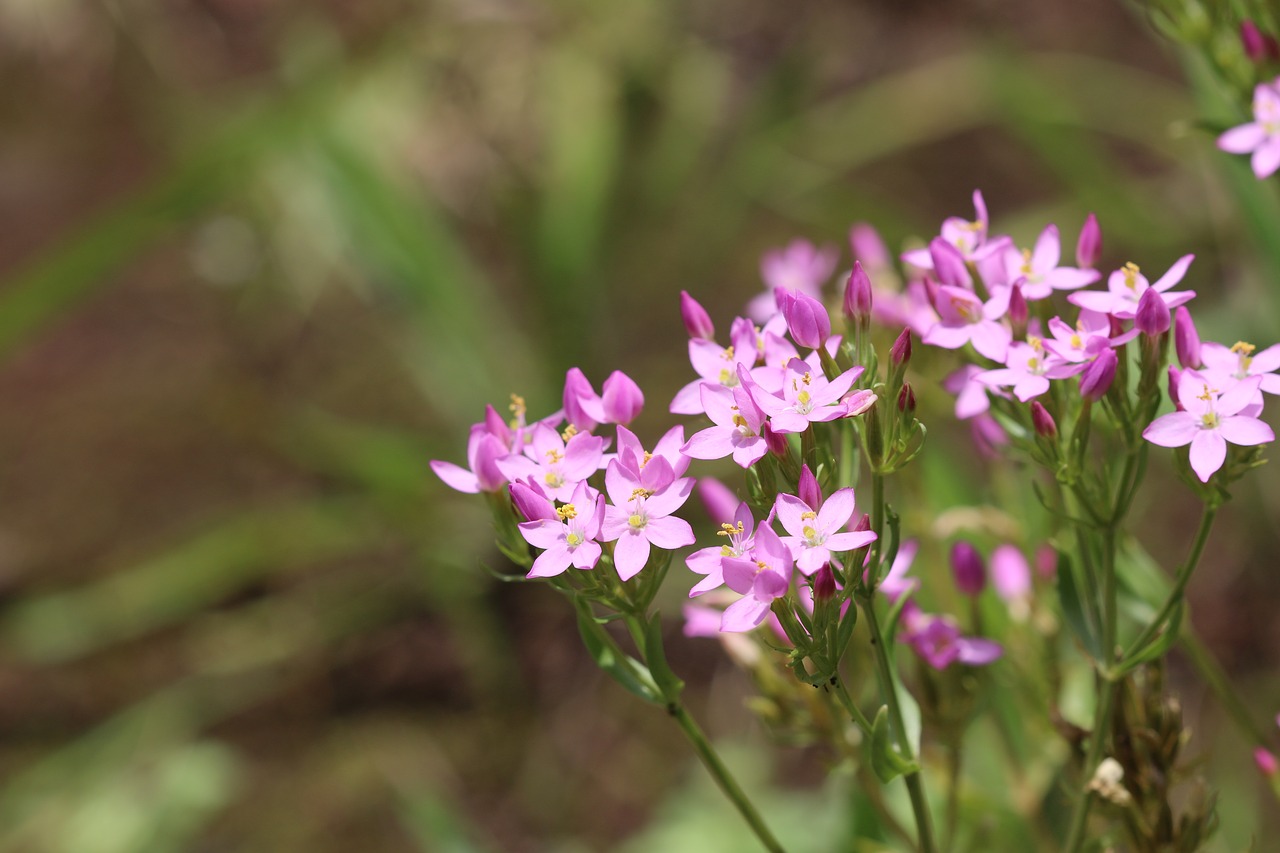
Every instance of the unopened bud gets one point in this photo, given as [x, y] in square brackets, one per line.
[808, 490]
[967, 568]
[1175, 376]
[1152, 317]
[1186, 340]
[1089, 247]
[1266, 761]
[532, 503]
[1046, 562]
[1098, 376]
[1258, 46]
[1010, 574]
[906, 399]
[622, 399]
[1018, 312]
[858, 402]
[900, 352]
[718, 499]
[807, 319]
[824, 584]
[1042, 421]
[697, 322]
[857, 297]
[948, 264]
[776, 442]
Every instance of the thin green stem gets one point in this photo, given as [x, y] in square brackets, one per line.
[723, 778]
[914, 780]
[954, 761]
[877, 522]
[842, 693]
[1101, 724]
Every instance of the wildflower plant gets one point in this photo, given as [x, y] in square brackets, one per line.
[1065, 372]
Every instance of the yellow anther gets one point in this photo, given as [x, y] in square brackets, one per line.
[1207, 395]
[807, 379]
[739, 421]
[972, 226]
[1130, 270]
[1026, 261]
[1037, 344]
[807, 514]
[641, 493]
[645, 460]
[517, 406]
[727, 355]
[636, 521]
[554, 456]
[809, 532]
[569, 432]
[1242, 348]
[761, 564]
[567, 512]
[730, 529]
[1076, 343]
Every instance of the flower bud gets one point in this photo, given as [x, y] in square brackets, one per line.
[824, 584]
[857, 297]
[582, 408]
[967, 568]
[697, 322]
[808, 490]
[1266, 762]
[1046, 562]
[900, 352]
[1010, 574]
[1089, 246]
[532, 503]
[858, 402]
[1042, 421]
[1186, 340]
[1098, 376]
[1175, 376]
[718, 499]
[807, 320]
[776, 442]
[948, 264]
[1258, 46]
[622, 399]
[1018, 312]
[906, 399]
[1152, 317]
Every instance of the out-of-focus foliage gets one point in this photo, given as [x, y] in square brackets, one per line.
[261, 261]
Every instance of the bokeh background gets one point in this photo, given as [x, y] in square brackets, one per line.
[261, 260]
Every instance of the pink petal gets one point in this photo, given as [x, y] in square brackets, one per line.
[1266, 160]
[1208, 451]
[789, 509]
[948, 337]
[1172, 430]
[836, 511]
[586, 555]
[1266, 361]
[711, 443]
[1242, 139]
[670, 499]
[551, 562]
[687, 400]
[1048, 250]
[1093, 300]
[630, 555]
[1245, 432]
[992, 340]
[850, 541]
[455, 477]
[669, 533]
[1238, 396]
[1174, 275]
[744, 614]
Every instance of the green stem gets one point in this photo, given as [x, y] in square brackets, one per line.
[877, 523]
[954, 759]
[724, 779]
[1101, 722]
[1180, 584]
[915, 783]
[1202, 659]
[846, 700]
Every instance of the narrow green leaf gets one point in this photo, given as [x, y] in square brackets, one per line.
[668, 682]
[627, 671]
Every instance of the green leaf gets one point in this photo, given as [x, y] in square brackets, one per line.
[668, 682]
[886, 761]
[625, 670]
[1160, 644]
[1073, 607]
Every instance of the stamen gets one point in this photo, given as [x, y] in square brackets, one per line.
[1026, 261]
[569, 432]
[1240, 347]
[641, 493]
[808, 515]
[1130, 271]
[727, 355]
[554, 456]
[567, 512]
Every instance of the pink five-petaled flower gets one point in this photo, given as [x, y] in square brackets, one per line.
[739, 540]
[1126, 285]
[570, 539]
[966, 318]
[800, 266]
[555, 465]
[642, 517]
[1210, 420]
[761, 580]
[807, 397]
[938, 641]
[1260, 137]
[970, 238]
[815, 534]
[1028, 370]
[1038, 269]
[1240, 361]
[717, 365]
[738, 425]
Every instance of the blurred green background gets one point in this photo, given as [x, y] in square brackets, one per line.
[262, 259]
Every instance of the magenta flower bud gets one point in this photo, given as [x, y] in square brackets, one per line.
[868, 247]
[1186, 340]
[807, 320]
[1018, 312]
[1152, 317]
[1046, 562]
[1042, 421]
[931, 291]
[531, 503]
[1010, 574]
[906, 399]
[1258, 46]
[948, 264]
[488, 451]
[808, 490]
[718, 499]
[900, 352]
[776, 442]
[857, 296]
[1098, 376]
[824, 584]
[1089, 246]
[697, 322]
[1175, 376]
[582, 407]
[967, 568]
[622, 399]
[1266, 762]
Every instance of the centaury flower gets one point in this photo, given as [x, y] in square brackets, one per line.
[1210, 420]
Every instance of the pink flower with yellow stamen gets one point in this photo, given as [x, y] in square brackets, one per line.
[1211, 418]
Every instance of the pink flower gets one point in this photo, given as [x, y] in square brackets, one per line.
[717, 365]
[1038, 269]
[483, 452]
[967, 319]
[968, 237]
[761, 581]
[737, 431]
[1126, 285]
[1091, 335]
[970, 391]
[570, 539]
[739, 540]
[815, 534]
[938, 641]
[1261, 137]
[807, 397]
[556, 466]
[1010, 573]
[1210, 420]
[1028, 370]
[1222, 365]
[697, 322]
[641, 518]
[800, 266]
